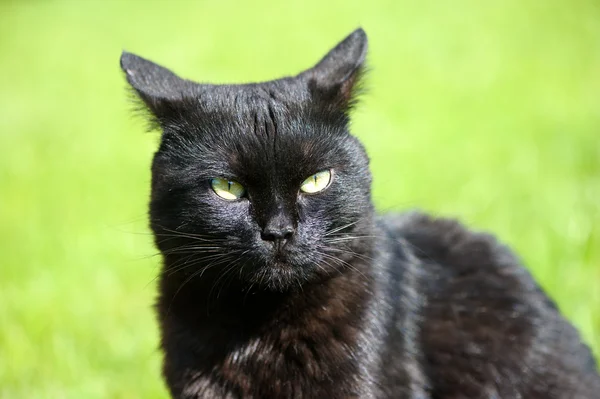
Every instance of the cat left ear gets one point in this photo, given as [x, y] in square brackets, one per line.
[159, 88]
[336, 78]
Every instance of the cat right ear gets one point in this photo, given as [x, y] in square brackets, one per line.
[159, 88]
[335, 80]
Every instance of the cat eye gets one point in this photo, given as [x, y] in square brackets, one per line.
[227, 189]
[317, 182]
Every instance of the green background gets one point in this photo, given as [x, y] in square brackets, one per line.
[484, 110]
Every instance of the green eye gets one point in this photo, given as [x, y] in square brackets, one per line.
[227, 189]
[317, 182]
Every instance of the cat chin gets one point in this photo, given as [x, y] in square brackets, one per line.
[281, 277]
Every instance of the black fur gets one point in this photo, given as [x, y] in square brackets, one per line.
[343, 304]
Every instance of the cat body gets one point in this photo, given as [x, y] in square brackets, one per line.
[279, 281]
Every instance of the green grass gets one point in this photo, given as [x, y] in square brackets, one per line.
[488, 111]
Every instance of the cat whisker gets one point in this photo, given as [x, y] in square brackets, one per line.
[341, 228]
[229, 268]
[197, 273]
[173, 268]
[191, 248]
[347, 238]
[328, 265]
[242, 267]
[342, 263]
[182, 264]
[177, 269]
[229, 272]
[351, 253]
[422, 252]
[248, 291]
[344, 234]
[200, 237]
[171, 237]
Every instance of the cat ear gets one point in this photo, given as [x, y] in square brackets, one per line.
[336, 78]
[156, 86]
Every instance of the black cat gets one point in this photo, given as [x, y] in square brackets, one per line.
[279, 280]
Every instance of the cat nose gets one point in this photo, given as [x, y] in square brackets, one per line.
[278, 230]
[278, 227]
[278, 235]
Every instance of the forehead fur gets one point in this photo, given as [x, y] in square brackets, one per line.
[244, 130]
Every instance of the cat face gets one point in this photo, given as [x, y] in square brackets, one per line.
[262, 182]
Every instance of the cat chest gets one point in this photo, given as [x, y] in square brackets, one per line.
[295, 368]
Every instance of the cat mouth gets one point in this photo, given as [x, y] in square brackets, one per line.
[279, 251]
[280, 257]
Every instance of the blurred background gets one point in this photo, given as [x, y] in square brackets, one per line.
[487, 111]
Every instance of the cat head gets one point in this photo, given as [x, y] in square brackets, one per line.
[258, 182]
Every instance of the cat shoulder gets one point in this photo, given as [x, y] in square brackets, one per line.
[448, 242]
[456, 257]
